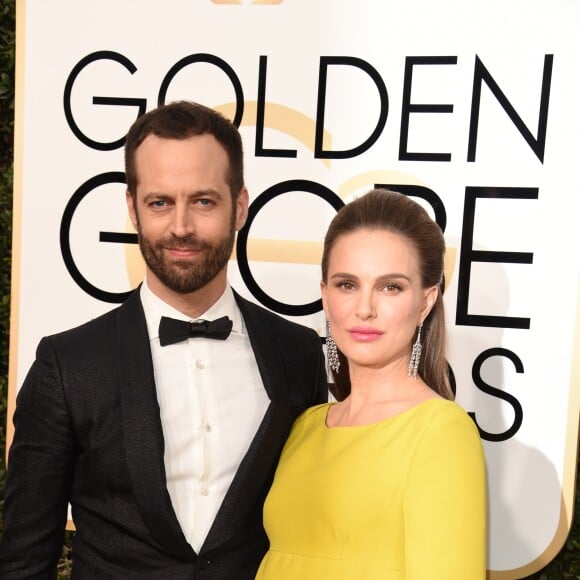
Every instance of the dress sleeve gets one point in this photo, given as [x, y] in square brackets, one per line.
[39, 474]
[445, 501]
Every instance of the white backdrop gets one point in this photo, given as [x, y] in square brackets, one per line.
[472, 105]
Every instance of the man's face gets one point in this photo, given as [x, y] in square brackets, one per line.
[184, 214]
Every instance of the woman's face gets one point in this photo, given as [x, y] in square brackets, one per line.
[373, 297]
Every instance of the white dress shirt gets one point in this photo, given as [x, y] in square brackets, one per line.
[212, 401]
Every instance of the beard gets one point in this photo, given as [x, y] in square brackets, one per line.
[185, 276]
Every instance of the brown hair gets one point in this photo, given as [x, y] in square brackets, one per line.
[181, 120]
[387, 210]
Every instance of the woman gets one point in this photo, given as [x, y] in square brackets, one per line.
[389, 481]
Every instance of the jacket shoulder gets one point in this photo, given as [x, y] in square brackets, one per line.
[101, 329]
[274, 323]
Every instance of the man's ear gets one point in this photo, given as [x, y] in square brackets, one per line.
[131, 207]
[241, 208]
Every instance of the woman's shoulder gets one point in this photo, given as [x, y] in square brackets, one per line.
[310, 420]
[313, 416]
[448, 420]
[439, 409]
[447, 408]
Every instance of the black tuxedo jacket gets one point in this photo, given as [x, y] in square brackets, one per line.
[88, 432]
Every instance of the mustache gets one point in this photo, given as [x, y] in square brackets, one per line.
[189, 242]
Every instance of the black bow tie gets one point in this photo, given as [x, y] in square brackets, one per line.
[172, 331]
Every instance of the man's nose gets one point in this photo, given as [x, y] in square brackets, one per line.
[182, 222]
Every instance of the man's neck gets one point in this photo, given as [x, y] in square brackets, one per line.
[192, 304]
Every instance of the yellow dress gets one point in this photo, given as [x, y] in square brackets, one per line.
[400, 499]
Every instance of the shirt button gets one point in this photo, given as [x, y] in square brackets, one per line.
[204, 490]
[207, 428]
[199, 364]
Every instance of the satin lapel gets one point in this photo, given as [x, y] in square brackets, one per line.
[268, 352]
[253, 477]
[143, 433]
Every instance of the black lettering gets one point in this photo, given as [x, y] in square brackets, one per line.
[409, 108]
[141, 104]
[468, 255]
[65, 247]
[241, 244]
[325, 62]
[498, 393]
[210, 59]
[537, 144]
[260, 111]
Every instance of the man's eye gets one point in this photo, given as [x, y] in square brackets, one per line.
[205, 202]
[158, 203]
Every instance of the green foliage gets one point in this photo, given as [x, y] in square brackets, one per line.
[7, 49]
[7, 64]
[566, 565]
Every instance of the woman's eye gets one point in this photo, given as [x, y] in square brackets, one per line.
[346, 285]
[392, 287]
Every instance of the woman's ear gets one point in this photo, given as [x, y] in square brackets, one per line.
[323, 295]
[429, 299]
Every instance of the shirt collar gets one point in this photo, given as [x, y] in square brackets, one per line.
[155, 308]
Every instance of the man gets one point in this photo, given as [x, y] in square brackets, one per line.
[165, 444]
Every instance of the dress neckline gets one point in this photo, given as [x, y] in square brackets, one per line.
[404, 413]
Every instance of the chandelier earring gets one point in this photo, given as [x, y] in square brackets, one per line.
[331, 351]
[415, 354]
